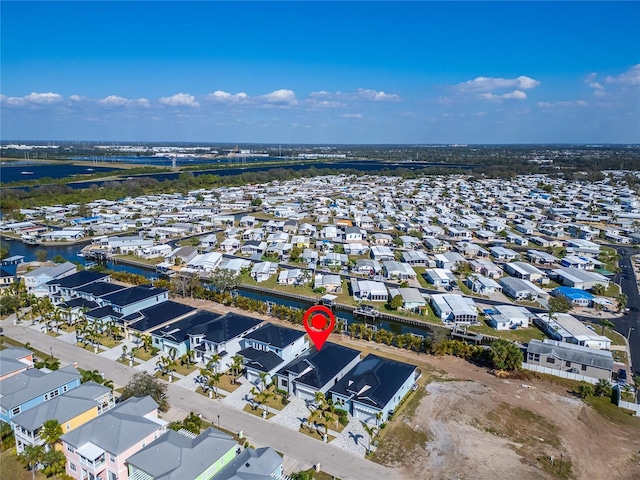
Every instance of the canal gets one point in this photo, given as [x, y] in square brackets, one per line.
[70, 253]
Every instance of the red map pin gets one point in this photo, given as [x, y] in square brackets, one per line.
[319, 322]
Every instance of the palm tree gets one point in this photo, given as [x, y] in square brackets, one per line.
[51, 433]
[263, 379]
[124, 351]
[32, 455]
[237, 366]
[378, 418]
[214, 378]
[213, 362]
[371, 430]
[622, 299]
[147, 342]
[606, 323]
[91, 376]
[193, 423]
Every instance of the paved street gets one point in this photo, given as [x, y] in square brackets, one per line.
[332, 459]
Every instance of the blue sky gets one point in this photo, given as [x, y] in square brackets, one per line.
[321, 72]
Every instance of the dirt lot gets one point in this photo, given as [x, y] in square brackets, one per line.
[469, 424]
[472, 425]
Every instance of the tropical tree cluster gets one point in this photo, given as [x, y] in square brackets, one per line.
[142, 384]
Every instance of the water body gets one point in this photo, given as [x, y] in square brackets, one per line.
[68, 252]
[180, 161]
[29, 171]
[363, 166]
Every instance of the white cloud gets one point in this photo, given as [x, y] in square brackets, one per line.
[180, 100]
[377, 96]
[15, 101]
[577, 103]
[352, 115]
[116, 101]
[48, 98]
[489, 84]
[630, 77]
[515, 95]
[75, 98]
[226, 97]
[280, 97]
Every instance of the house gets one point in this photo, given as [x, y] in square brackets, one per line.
[483, 285]
[175, 335]
[331, 259]
[182, 255]
[290, 276]
[567, 357]
[541, 257]
[449, 260]
[14, 360]
[566, 328]
[316, 371]
[578, 278]
[454, 308]
[417, 259]
[412, 298]
[40, 276]
[375, 386]
[330, 282]
[8, 275]
[154, 251]
[150, 318]
[381, 253]
[367, 266]
[524, 271]
[502, 253]
[575, 296]
[368, 290]
[505, 317]
[354, 234]
[30, 388]
[584, 247]
[519, 289]
[398, 271]
[270, 347]
[130, 300]
[223, 335]
[434, 245]
[71, 409]
[206, 262]
[210, 455]
[486, 268]
[439, 277]
[262, 271]
[62, 289]
[209, 241]
[252, 247]
[101, 447]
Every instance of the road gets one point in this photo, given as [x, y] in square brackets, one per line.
[629, 324]
[332, 460]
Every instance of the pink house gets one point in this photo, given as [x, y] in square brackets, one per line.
[99, 449]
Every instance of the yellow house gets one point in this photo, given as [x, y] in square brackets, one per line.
[71, 409]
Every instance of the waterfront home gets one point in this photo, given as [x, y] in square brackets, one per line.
[206, 262]
[270, 347]
[552, 355]
[374, 387]
[129, 244]
[38, 277]
[14, 360]
[505, 317]
[262, 271]
[566, 328]
[369, 290]
[412, 298]
[71, 409]
[221, 335]
[331, 283]
[454, 308]
[290, 276]
[154, 251]
[316, 371]
[101, 447]
[30, 388]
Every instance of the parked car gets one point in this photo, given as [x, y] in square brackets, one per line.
[622, 377]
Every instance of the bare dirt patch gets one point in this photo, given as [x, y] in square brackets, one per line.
[490, 428]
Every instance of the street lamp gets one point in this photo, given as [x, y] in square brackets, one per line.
[51, 352]
[218, 422]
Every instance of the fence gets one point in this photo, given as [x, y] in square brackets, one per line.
[634, 407]
[559, 373]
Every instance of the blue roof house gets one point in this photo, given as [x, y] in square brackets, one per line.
[375, 385]
[580, 298]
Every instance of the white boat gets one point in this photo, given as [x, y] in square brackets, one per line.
[26, 173]
[90, 169]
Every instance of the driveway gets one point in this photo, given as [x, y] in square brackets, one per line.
[332, 459]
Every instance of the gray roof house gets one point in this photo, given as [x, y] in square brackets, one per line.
[88, 400]
[560, 359]
[101, 446]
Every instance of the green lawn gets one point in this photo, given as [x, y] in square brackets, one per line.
[184, 369]
[615, 337]
[206, 394]
[135, 258]
[4, 340]
[11, 468]
[125, 361]
[522, 335]
[226, 385]
[142, 355]
[613, 290]
[88, 347]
